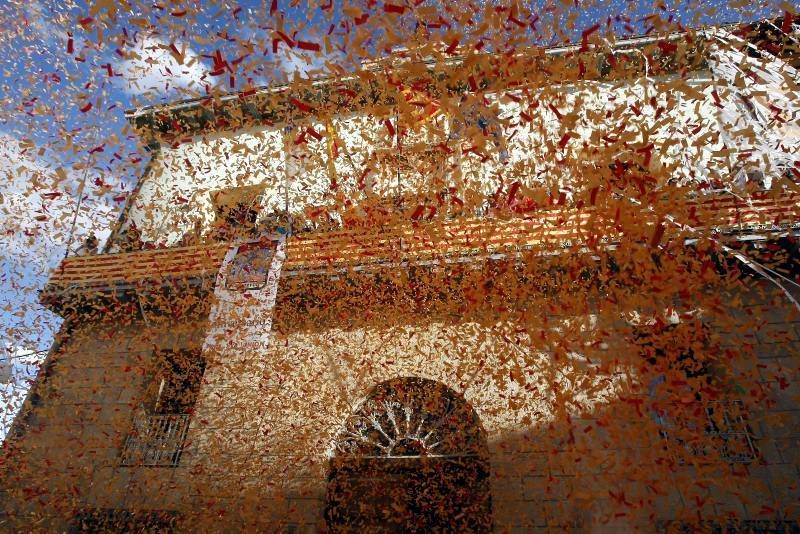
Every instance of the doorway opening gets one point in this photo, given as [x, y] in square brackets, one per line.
[412, 458]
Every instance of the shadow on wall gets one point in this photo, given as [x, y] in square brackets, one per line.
[670, 442]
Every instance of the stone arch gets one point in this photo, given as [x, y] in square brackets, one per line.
[412, 457]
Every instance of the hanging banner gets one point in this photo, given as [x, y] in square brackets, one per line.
[247, 286]
[235, 350]
[250, 266]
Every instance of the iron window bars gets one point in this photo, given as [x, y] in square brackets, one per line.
[720, 427]
[156, 440]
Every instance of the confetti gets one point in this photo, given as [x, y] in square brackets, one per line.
[399, 266]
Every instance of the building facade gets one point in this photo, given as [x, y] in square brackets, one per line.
[439, 295]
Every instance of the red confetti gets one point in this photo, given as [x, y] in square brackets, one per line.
[305, 45]
[657, 235]
[585, 37]
[667, 47]
[301, 105]
[394, 8]
[788, 18]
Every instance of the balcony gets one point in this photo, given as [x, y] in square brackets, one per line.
[109, 282]
[119, 278]
[99, 272]
[156, 440]
[549, 230]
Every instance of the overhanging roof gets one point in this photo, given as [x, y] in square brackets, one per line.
[372, 89]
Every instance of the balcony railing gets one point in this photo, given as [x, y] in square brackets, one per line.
[549, 230]
[143, 265]
[156, 440]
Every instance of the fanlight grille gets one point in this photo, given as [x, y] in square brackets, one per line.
[410, 418]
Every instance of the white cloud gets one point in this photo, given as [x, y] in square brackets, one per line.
[38, 205]
[304, 64]
[284, 64]
[48, 25]
[18, 368]
[37, 208]
[151, 67]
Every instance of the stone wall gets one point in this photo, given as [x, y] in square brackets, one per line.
[572, 434]
[63, 454]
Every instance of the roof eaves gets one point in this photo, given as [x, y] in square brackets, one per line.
[553, 51]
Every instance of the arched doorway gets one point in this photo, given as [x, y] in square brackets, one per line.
[412, 458]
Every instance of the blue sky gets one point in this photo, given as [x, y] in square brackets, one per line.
[70, 69]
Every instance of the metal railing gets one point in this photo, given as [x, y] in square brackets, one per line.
[156, 440]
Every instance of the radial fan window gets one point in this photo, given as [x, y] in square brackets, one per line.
[409, 419]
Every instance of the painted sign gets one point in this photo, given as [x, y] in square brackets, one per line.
[249, 268]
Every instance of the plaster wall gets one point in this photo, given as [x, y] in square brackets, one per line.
[568, 444]
[678, 117]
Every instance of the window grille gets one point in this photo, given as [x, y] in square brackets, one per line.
[755, 526]
[156, 440]
[713, 428]
[160, 426]
[237, 211]
[102, 520]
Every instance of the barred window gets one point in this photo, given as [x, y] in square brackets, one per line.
[695, 415]
[177, 376]
[161, 424]
[705, 431]
[117, 520]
